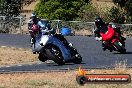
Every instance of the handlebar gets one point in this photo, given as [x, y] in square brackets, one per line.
[47, 31]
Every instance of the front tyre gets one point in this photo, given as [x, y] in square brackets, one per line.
[41, 57]
[54, 53]
[119, 47]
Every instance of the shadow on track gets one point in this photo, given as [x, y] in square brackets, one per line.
[123, 53]
[54, 64]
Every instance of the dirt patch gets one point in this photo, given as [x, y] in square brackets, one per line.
[9, 56]
[83, 32]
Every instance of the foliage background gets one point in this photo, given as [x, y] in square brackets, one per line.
[58, 9]
[83, 10]
[10, 7]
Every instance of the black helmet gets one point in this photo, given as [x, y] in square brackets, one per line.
[99, 22]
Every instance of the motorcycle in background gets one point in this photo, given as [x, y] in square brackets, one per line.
[111, 39]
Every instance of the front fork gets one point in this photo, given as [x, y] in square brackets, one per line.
[107, 45]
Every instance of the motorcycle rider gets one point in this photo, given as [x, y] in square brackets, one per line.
[35, 25]
[101, 27]
[32, 26]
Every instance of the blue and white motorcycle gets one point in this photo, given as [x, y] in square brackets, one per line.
[55, 47]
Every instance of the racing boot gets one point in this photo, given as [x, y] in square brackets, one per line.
[110, 49]
[103, 46]
[32, 41]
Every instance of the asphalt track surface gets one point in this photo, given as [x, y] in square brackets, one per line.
[88, 47]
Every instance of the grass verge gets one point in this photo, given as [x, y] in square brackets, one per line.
[11, 55]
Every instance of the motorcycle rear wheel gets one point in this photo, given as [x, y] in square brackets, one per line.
[77, 59]
[120, 48]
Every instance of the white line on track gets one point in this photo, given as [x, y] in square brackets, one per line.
[8, 66]
[19, 65]
[29, 64]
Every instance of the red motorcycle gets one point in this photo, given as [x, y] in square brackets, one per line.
[112, 40]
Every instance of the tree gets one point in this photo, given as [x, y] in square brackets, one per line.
[126, 6]
[87, 12]
[58, 9]
[10, 7]
[121, 3]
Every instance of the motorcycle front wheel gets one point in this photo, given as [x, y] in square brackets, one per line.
[54, 53]
[41, 57]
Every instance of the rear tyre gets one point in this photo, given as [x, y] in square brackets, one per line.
[119, 46]
[77, 59]
[55, 54]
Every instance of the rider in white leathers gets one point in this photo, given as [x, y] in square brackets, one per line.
[35, 21]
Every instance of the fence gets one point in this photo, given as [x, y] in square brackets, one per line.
[77, 27]
[19, 25]
[11, 24]
[87, 28]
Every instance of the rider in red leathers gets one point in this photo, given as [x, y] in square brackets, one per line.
[102, 26]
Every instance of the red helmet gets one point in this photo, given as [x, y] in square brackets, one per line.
[35, 27]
